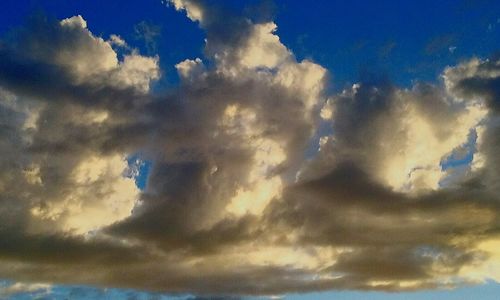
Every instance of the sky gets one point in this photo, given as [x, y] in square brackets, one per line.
[202, 149]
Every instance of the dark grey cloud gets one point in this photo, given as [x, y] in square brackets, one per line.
[483, 81]
[392, 236]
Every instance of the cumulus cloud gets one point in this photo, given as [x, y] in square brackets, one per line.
[399, 136]
[233, 205]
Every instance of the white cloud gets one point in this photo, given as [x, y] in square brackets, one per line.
[263, 48]
[193, 10]
[100, 195]
[33, 289]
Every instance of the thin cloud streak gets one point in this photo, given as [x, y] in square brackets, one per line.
[232, 207]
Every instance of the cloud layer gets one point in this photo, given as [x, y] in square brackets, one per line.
[235, 203]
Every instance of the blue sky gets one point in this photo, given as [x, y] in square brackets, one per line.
[407, 40]
[486, 291]
[402, 41]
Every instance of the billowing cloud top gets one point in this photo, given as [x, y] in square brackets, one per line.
[233, 206]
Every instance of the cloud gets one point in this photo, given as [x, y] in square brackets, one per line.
[35, 290]
[149, 33]
[233, 206]
[399, 136]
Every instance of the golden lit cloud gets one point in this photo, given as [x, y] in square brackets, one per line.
[261, 180]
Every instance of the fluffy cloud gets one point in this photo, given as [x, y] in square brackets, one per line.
[399, 137]
[233, 205]
[56, 169]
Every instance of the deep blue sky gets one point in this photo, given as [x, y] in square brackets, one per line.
[407, 40]
[403, 40]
